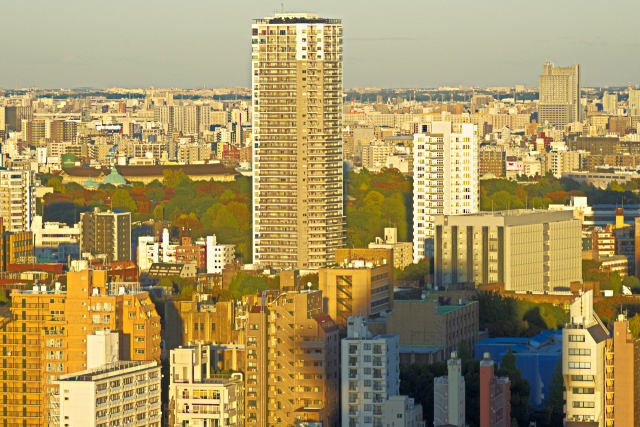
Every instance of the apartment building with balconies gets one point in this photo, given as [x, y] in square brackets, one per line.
[296, 79]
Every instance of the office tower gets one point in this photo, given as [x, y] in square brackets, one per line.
[370, 374]
[634, 102]
[292, 361]
[106, 233]
[610, 103]
[198, 395]
[110, 391]
[559, 94]
[296, 86]
[495, 396]
[445, 171]
[526, 250]
[448, 395]
[17, 199]
[46, 336]
[583, 363]
[360, 285]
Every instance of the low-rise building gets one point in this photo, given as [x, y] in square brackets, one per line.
[402, 251]
[526, 250]
[198, 395]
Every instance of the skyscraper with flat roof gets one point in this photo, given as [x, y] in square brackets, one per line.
[559, 95]
[445, 173]
[297, 140]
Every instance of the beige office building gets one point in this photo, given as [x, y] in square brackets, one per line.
[526, 250]
[559, 95]
[402, 251]
[296, 75]
[292, 361]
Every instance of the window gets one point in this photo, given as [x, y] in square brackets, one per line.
[584, 404]
[579, 352]
[576, 338]
[579, 365]
[583, 390]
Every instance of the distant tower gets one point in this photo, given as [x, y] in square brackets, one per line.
[448, 395]
[559, 95]
[298, 218]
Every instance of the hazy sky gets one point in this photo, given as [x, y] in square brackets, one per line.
[390, 43]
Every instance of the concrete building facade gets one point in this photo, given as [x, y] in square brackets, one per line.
[107, 234]
[448, 395]
[370, 374]
[296, 64]
[292, 361]
[526, 250]
[198, 396]
[17, 199]
[559, 95]
[446, 182]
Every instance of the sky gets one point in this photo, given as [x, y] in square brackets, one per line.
[387, 43]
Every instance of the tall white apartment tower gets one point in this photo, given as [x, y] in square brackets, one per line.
[17, 199]
[559, 93]
[296, 76]
[445, 174]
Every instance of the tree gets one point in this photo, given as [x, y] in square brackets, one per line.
[553, 406]
[414, 272]
[631, 282]
[247, 284]
[634, 325]
[155, 194]
[520, 406]
[173, 178]
[121, 199]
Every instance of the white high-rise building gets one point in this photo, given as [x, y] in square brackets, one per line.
[17, 199]
[296, 72]
[445, 174]
[610, 103]
[583, 363]
[370, 374]
[559, 95]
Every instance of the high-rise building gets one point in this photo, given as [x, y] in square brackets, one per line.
[46, 336]
[634, 101]
[559, 95]
[448, 395]
[445, 171]
[198, 396]
[583, 363]
[610, 102]
[106, 233]
[525, 250]
[495, 396]
[296, 87]
[368, 362]
[17, 199]
[292, 361]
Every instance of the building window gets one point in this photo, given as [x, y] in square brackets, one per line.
[576, 338]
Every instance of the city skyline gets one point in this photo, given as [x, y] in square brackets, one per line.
[123, 47]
